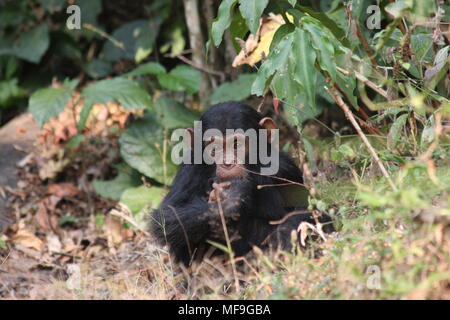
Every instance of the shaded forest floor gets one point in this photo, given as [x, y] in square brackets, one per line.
[69, 243]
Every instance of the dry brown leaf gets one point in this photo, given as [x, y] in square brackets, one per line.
[257, 47]
[63, 190]
[113, 228]
[26, 238]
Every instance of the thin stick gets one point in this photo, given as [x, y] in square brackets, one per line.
[201, 68]
[359, 34]
[105, 35]
[276, 178]
[366, 81]
[127, 218]
[227, 239]
[349, 115]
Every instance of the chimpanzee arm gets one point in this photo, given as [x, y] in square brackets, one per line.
[182, 227]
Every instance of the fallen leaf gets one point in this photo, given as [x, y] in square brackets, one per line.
[26, 238]
[63, 190]
[53, 243]
[113, 228]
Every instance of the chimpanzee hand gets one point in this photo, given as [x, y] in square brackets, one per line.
[229, 194]
[220, 191]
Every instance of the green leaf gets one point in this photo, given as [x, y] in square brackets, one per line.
[10, 92]
[441, 64]
[309, 152]
[238, 29]
[305, 72]
[421, 45]
[328, 23]
[292, 2]
[98, 68]
[397, 9]
[219, 246]
[3, 244]
[181, 78]
[237, 90]
[127, 177]
[126, 92]
[146, 68]
[396, 130]
[222, 21]
[47, 103]
[142, 146]
[281, 32]
[428, 133]
[142, 197]
[137, 38]
[347, 152]
[324, 47]
[32, 44]
[252, 10]
[171, 114]
[277, 60]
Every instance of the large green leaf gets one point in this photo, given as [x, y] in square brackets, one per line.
[321, 41]
[181, 78]
[142, 197]
[47, 103]
[222, 21]
[10, 92]
[395, 131]
[98, 68]
[171, 114]
[146, 68]
[422, 45]
[237, 90]
[276, 61]
[305, 72]
[126, 92]
[328, 23]
[137, 38]
[126, 178]
[145, 147]
[252, 10]
[32, 44]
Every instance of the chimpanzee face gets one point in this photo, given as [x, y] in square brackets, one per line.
[229, 153]
[233, 139]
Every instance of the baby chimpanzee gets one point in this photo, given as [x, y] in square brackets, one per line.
[236, 174]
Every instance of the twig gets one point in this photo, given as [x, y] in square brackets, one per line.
[127, 218]
[201, 68]
[290, 214]
[105, 35]
[227, 239]
[349, 115]
[366, 81]
[360, 36]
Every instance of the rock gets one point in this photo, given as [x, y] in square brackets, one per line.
[16, 140]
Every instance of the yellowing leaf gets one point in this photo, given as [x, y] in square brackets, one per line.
[257, 47]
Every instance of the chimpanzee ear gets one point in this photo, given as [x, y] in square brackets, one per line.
[189, 136]
[268, 123]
